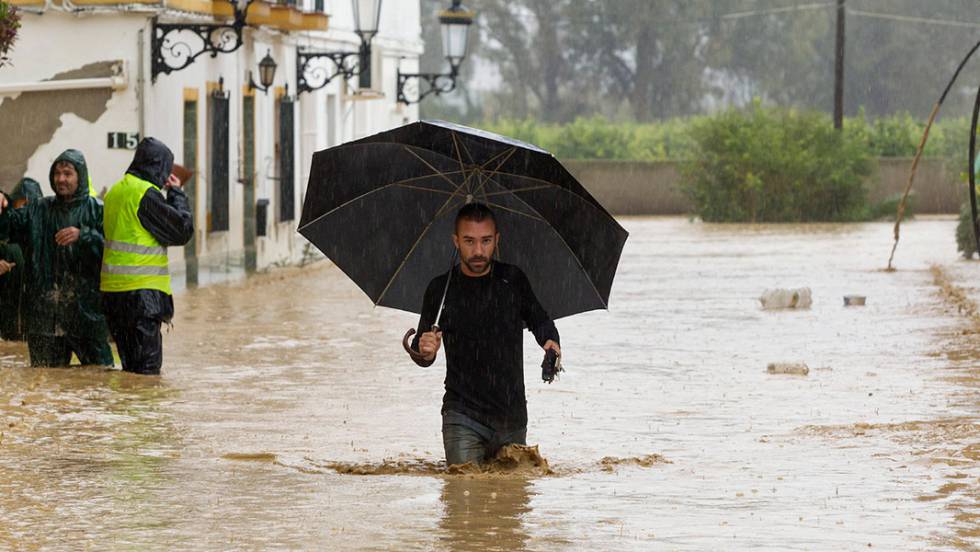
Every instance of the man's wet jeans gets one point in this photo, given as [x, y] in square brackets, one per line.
[467, 440]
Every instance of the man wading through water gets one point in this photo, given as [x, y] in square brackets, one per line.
[140, 223]
[488, 304]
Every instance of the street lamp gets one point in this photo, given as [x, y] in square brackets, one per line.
[455, 22]
[267, 74]
[367, 14]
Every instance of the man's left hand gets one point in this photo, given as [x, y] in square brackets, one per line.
[172, 182]
[550, 344]
[67, 236]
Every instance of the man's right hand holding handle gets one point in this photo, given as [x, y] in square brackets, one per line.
[429, 344]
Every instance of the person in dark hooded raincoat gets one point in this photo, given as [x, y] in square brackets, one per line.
[62, 241]
[14, 302]
[140, 223]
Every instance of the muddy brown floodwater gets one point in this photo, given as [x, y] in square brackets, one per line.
[288, 416]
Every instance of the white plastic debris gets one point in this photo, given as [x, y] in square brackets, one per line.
[798, 298]
[792, 368]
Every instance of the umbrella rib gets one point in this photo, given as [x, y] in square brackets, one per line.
[420, 188]
[459, 155]
[369, 192]
[506, 155]
[506, 190]
[528, 189]
[412, 250]
[435, 170]
[466, 179]
[562, 239]
[508, 152]
[559, 188]
[525, 177]
[442, 211]
[468, 156]
[515, 211]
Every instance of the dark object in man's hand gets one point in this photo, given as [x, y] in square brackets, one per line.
[551, 366]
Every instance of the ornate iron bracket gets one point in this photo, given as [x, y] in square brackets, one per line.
[438, 84]
[310, 76]
[176, 45]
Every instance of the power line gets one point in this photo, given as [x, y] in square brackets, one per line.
[813, 6]
[911, 19]
[770, 11]
[530, 18]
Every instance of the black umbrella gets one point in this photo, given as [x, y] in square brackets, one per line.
[382, 208]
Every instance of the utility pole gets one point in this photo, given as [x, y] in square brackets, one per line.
[839, 69]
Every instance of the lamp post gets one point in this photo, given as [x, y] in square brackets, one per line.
[267, 74]
[455, 22]
[310, 77]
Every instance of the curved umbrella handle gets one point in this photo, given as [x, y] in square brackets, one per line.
[416, 356]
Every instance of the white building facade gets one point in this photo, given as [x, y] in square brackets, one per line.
[83, 77]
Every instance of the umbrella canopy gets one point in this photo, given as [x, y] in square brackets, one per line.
[383, 207]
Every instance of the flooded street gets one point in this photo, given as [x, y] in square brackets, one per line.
[665, 432]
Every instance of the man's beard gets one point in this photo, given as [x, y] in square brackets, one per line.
[469, 264]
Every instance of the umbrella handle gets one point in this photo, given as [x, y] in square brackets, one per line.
[416, 356]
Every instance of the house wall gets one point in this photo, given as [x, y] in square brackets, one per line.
[103, 40]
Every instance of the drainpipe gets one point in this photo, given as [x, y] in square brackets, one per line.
[141, 81]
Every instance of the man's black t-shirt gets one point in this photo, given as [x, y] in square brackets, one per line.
[482, 333]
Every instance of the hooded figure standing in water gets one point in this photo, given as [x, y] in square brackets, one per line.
[61, 238]
[14, 302]
[140, 223]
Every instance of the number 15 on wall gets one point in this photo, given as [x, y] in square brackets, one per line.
[123, 140]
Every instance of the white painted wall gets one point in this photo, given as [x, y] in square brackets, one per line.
[106, 38]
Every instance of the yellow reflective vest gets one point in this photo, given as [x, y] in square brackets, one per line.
[132, 259]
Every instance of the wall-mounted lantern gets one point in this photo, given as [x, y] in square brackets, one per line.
[267, 74]
[455, 22]
[310, 77]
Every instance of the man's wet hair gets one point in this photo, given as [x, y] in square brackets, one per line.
[477, 212]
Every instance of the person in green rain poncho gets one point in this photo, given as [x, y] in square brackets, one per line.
[13, 302]
[62, 241]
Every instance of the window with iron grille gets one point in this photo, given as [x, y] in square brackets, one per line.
[287, 171]
[190, 187]
[218, 154]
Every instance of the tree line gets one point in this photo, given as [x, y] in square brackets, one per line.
[645, 60]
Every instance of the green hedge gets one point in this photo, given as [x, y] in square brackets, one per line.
[598, 138]
[776, 165]
[760, 163]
